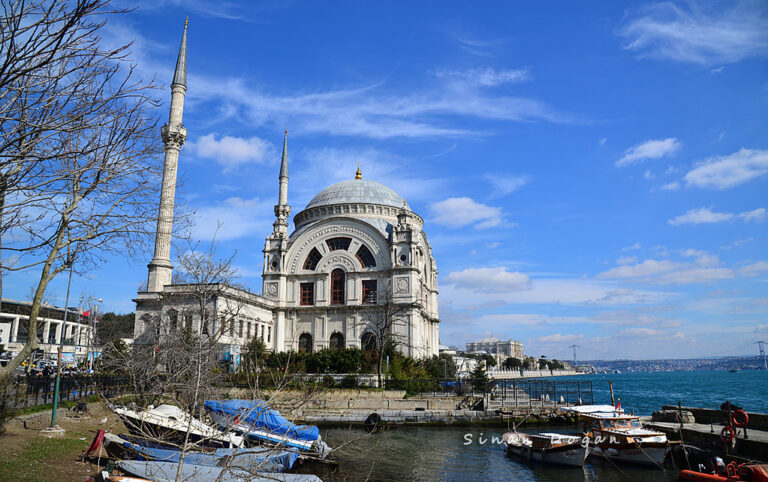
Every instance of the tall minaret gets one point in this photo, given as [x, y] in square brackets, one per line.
[283, 210]
[174, 134]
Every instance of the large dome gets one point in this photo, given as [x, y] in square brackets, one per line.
[356, 191]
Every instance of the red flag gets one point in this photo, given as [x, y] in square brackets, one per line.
[85, 314]
[618, 405]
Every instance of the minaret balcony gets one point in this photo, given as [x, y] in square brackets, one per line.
[173, 135]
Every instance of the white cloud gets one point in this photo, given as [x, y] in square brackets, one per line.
[504, 184]
[633, 247]
[723, 172]
[705, 215]
[461, 211]
[651, 149]
[489, 279]
[671, 186]
[649, 175]
[487, 77]
[560, 338]
[757, 215]
[705, 268]
[626, 260]
[649, 267]
[234, 218]
[700, 216]
[699, 32]
[754, 269]
[231, 151]
[602, 141]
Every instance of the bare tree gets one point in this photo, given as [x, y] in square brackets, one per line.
[78, 152]
[386, 323]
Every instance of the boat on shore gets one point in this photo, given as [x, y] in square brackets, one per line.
[166, 472]
[250, 459]
[260, 424]
[549, 448]
[170, 423]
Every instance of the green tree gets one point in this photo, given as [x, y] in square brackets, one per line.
[512, 363]
[479, 377]
[113, 326]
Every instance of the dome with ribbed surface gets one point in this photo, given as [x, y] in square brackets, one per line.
[356, 191]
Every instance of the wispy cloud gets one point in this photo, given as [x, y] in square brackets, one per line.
[705, 215]
[462, 211]
[477, 46]
[489, 279]
[231, 152]
[504, 184]
[723, 172]
[234, 218]
[651, 149]
[699, 32]
[487, 77]
[705, 268]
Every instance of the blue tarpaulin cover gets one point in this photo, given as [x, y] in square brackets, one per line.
[258, 414]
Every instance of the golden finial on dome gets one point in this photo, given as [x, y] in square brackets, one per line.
[358, 174]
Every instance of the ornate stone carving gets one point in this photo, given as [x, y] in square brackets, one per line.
[271, 289]
[173, 135]
[312, 239]
[402, 285]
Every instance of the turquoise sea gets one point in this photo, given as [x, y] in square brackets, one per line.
[415, 453]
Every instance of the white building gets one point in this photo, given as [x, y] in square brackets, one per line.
[355, 247]
[498, 348]
[76, 331]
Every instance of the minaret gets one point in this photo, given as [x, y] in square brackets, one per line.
[174, 134]
[282, 209]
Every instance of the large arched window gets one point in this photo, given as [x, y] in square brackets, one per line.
[305, 343]
[337, 341]
[368, 341]
[337, 286]
[365, 257]
[313, 258]
[338, 243]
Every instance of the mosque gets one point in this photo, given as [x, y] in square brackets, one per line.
[357, 255]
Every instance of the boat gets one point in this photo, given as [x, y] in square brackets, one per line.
[731, 473]
[550, 448]
[622, 438]
[166, 472]
[251, 459]
[170, 423]
[263, 425]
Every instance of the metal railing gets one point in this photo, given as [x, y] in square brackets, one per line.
[538, 393]
[31, 391]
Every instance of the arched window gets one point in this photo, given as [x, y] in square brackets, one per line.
[313, 258]
[368, 341]
[337, 287]
[305, 343]
[338, 243]
[365, 257]
[337, 341]
[173, 319]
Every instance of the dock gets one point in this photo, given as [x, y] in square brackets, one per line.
[705, 433]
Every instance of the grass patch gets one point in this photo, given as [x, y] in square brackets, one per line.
[39, 457]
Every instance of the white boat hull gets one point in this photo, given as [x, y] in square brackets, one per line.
[634, 455]
[572, 456]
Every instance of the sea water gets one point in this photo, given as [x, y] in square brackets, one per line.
[421, 453]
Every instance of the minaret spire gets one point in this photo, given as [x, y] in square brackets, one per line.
[174, 134]
[282, 209]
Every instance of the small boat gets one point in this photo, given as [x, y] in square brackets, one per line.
[263, 460]
[261, 424]
[731, 473]
[550, 448]
[622, 438]
[166, 472]
[168, 422]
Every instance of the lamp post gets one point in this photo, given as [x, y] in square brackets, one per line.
[61, 349]
[92, 334]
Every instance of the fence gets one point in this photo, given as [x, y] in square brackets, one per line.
[36, 390]
[538, 393]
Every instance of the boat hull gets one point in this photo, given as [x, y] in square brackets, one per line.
[572, 456]
[166, 471]
[645, 454]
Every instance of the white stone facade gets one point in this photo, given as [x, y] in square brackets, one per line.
[357, 250]
[495, 346]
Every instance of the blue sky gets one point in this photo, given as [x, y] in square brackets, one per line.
[590, 173]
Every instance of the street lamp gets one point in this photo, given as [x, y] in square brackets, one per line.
[92, 334]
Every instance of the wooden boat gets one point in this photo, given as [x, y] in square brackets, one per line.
[251, 459]
[550, 448]
[622, 438]
[263, 425]
[170, 423]
[166, 472]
